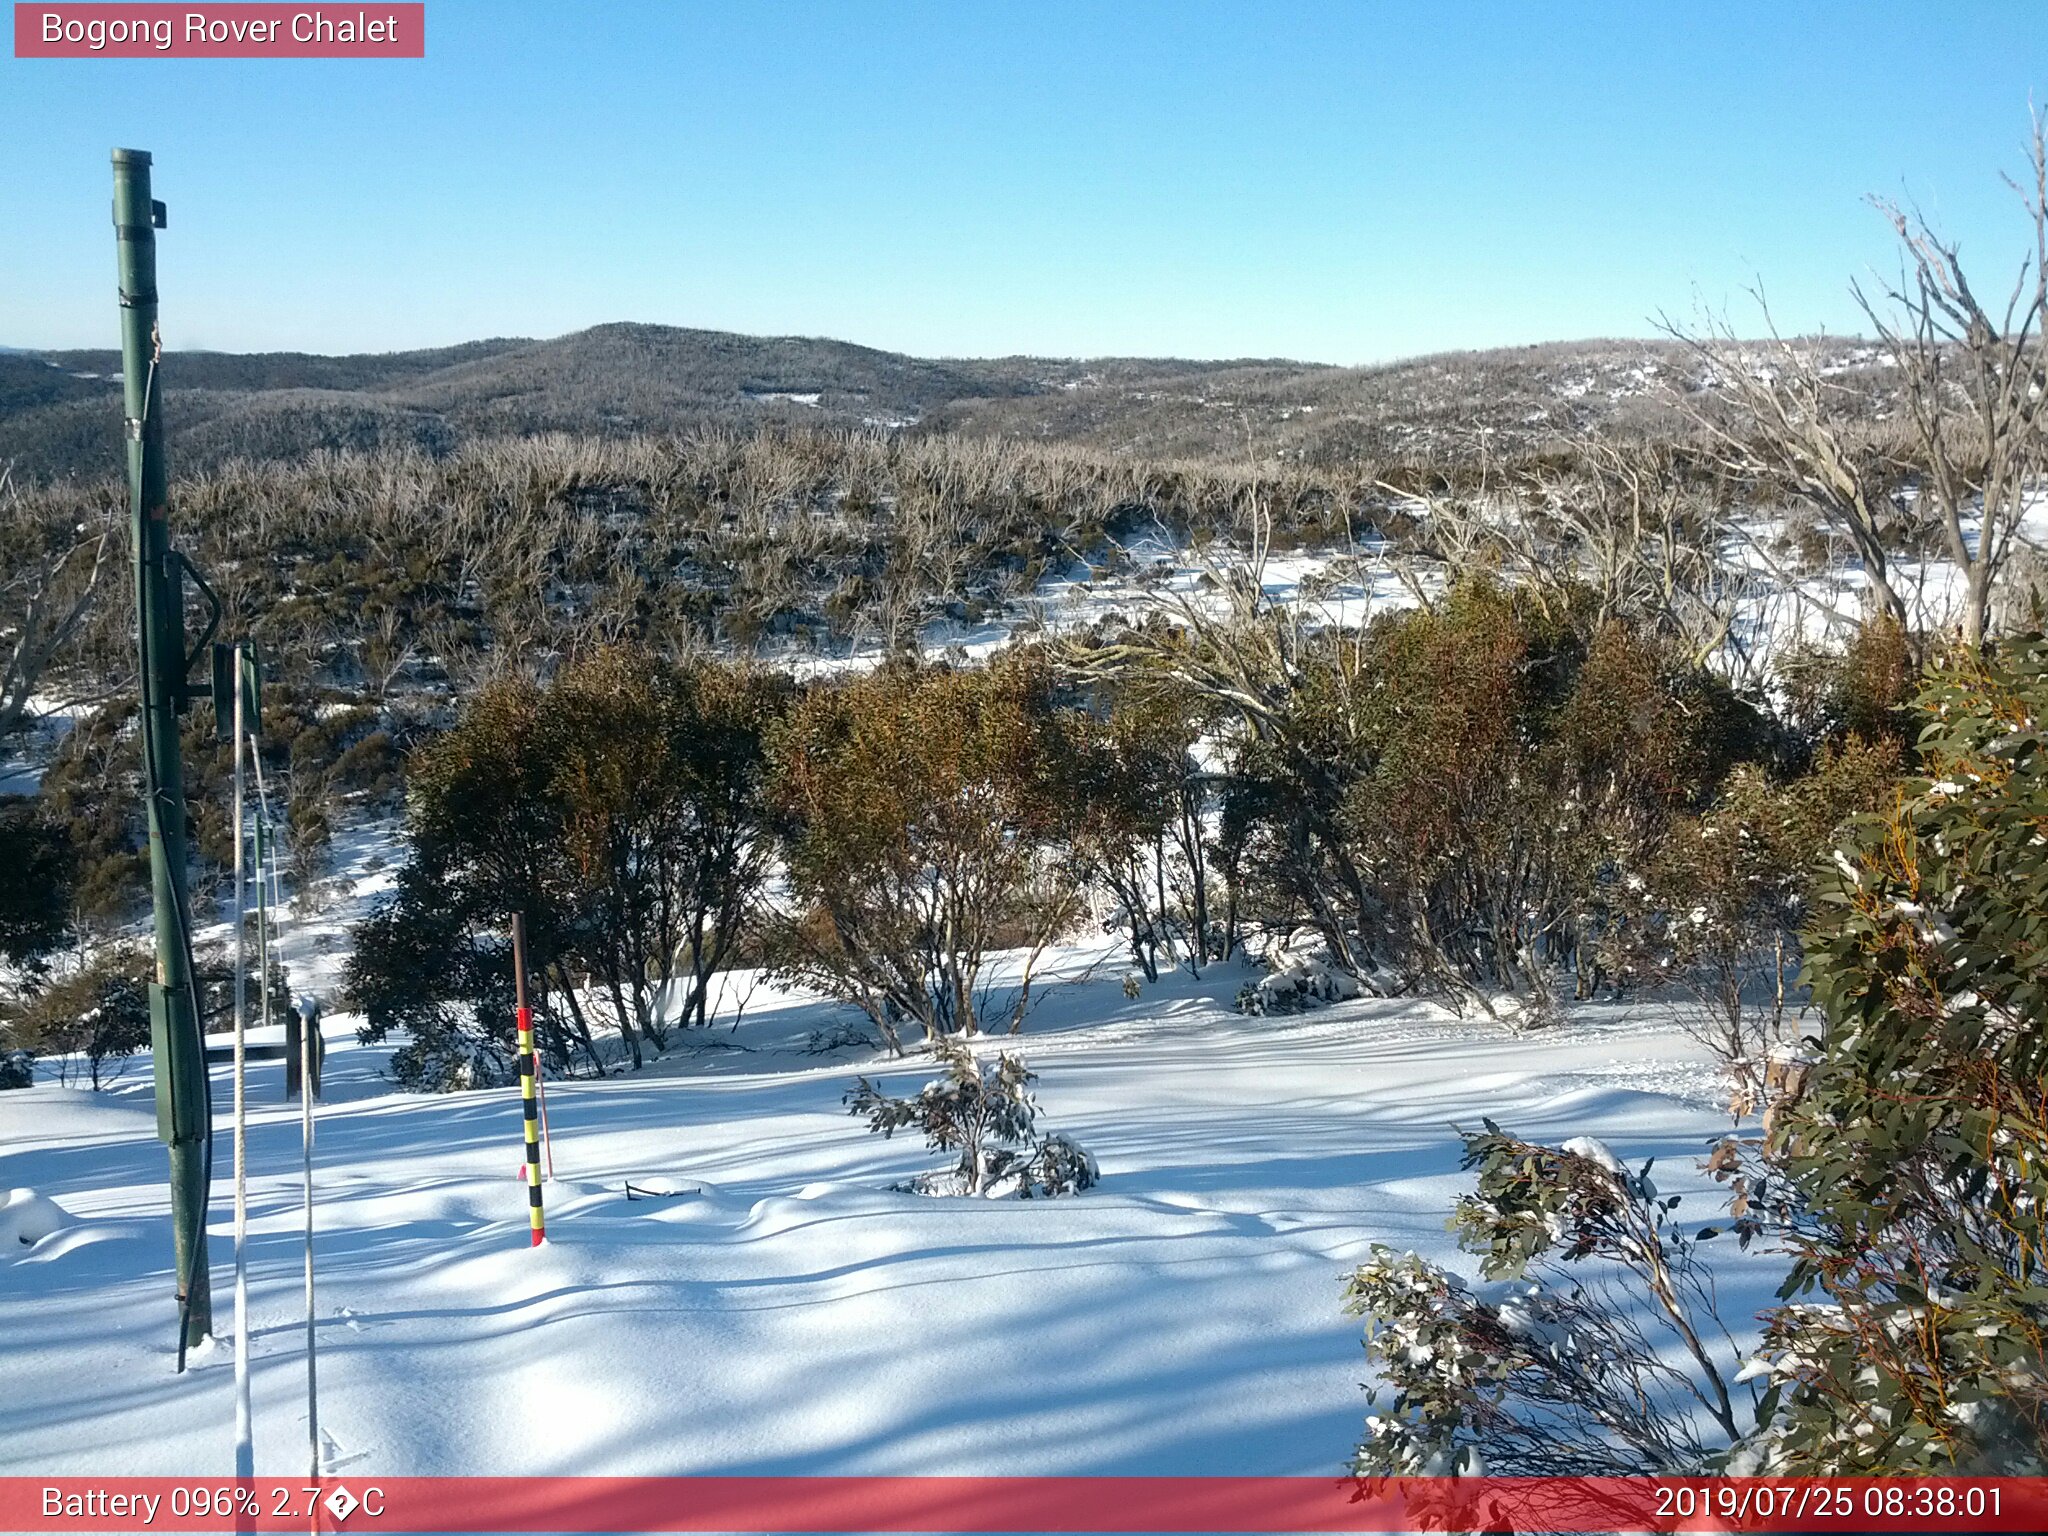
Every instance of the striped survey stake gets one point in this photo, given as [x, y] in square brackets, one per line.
[529, 1065]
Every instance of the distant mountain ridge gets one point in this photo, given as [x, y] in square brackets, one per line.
[60, 411]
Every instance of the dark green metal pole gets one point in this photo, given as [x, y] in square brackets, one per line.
[179, 1051]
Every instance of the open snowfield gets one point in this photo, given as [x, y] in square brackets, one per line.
[785, 1311]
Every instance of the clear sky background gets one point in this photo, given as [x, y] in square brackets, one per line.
[1342, 182]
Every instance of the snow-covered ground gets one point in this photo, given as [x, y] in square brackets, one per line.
[23, 758]
[1775, 602]
[1329, 585]
[782, 1310]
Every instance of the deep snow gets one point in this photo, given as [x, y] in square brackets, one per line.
[784, 1311]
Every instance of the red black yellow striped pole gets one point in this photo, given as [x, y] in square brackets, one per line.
[529, 1106]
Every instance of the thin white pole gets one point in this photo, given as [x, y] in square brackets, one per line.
[540, 1092]
[245, 1419]
[309, 1021]
[306, 1028]
[262, 906]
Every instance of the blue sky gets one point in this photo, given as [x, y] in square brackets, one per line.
[1339, 182]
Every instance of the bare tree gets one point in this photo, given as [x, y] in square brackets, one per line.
[1773, 415]
[1971, 381]
[1617, 525]
[44, 603]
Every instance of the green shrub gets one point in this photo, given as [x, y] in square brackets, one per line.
[1553, 1370]
[924, 814]
[1912, 1165]
[38, 868]
[419, 969]
[985, 1116]
[95, 1017]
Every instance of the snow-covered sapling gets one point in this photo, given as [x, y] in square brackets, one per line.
[1303, 973]
[985, 1115]
[1554, 1369]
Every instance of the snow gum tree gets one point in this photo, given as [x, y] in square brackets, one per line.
[1459, 794]
[1964, 444]
[661, 774]
[927, 827]
[1911, 1168]
[621, 809]
[1142, 797]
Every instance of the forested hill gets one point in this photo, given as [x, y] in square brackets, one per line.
[59, 411]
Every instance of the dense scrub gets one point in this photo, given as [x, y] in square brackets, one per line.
[1492, 793]
[1899, 1165]
[1472, 800]
[621, 810]
[398, 573]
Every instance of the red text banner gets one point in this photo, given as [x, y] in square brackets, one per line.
[240, 31]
